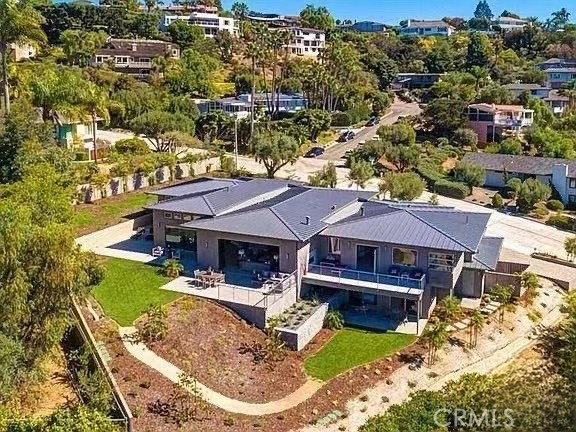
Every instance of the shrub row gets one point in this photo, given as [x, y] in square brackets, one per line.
[451, 189]
[351, 116]
[563, 222]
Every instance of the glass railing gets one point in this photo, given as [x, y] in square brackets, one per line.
[344, 274]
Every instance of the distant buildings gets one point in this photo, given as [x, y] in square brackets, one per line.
[508, 23]
[19, 52]
[490, 121]
[210, 22]
[558, 71]
[76, 134]
[134, 56]
[426, 28]
[365, 27]
[555, 100]
[240, 105]
[415, 80]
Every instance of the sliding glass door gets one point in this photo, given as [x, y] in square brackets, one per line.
[367, 258]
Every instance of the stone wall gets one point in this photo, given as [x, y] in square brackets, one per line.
[120, 185]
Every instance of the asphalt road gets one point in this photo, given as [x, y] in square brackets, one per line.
[336, 151]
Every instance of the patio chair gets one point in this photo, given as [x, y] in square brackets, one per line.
[394, 271]
[197, 277]
[416, 274]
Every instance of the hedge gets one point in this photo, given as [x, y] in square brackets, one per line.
[562, 221]
[451, 189]
[341, 119]
[430, 176]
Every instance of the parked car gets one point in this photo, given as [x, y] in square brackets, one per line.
[314, 152]
[373, 121]
[347, 136]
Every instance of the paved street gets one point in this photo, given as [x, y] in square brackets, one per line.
[399, 108]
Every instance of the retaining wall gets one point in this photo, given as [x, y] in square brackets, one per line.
[298, 338]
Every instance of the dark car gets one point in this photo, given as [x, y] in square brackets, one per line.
[346, 136]
[373, 121]
[314, 152]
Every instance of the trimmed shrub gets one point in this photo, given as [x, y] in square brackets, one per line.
[555, 205]
[341, 119]
[563, 222]
[81, 156]
[451, 189]
[430, 176]
[132, 146]
[497, 201]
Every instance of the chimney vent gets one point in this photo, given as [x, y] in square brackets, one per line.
[362, 211]
[307, 220]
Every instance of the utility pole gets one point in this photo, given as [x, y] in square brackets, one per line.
[236, 141]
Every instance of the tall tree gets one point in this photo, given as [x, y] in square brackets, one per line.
[317, 18]
[360, 172]
[275, 150]
[240, 10]
[19, 23]
[94, 101]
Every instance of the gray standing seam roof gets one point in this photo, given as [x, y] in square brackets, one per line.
[519, 164]
[443, 228]
[488, 254]
[217, 202]
[195, 187]
[297, 217]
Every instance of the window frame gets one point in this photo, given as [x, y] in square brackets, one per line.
[415, 253]
[332, 242]
[444, 261]
[572, 183]
[167, 215]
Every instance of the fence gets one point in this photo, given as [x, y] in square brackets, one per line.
[119, 185]
[86, 333]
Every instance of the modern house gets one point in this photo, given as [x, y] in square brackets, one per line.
[493, 122]
[508, 23]
[134, 56]
[535, 90]
[558, 71]
[426, 28]
[415, 80]
[306, 42]
[560, 173]
[210, 22]
[365, 27]
[557, 102]
[240, 105]
[389, 260]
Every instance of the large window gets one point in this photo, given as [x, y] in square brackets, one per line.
[405, 257]
[181, 239]
[335, 246]
[572, 183]
[440, 261]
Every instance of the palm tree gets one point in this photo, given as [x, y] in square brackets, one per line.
[240, 11]
[477, 322]
[253, 51]
[569, 90]
[95, 103]
[530, 282]
[436, 337]
[172, 268]
[503, 295]
[19, 23]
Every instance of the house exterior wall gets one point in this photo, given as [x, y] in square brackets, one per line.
[427, 31]
[208, 253]
[211, 23]
[306, 42]
[481, 129]
[555, 80]
[161, 221]
[471, 283]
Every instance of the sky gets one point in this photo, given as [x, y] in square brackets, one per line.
[393, 11]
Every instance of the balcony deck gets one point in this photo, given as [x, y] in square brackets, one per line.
[354, 280]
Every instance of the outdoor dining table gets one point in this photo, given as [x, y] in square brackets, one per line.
[211, 279]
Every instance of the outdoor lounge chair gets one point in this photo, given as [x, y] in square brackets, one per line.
[394, 271]
[416, 274]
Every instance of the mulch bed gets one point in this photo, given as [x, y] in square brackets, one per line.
[205, 339]
[142, 386]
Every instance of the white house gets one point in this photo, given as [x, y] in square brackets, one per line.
[212, 23]
[426, 28]
[508, 23]
[306, 42]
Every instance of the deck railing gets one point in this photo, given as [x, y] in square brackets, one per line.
[344, 274]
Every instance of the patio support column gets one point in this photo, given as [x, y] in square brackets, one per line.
[418, 315]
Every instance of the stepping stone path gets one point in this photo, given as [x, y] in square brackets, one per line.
[333, 417]
[487, 309]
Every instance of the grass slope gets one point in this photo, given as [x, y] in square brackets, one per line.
[353, 347]
[128, 288]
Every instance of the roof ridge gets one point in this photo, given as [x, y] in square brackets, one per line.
[363, 218]
[439, 230]
[208, 202]
[281, 219]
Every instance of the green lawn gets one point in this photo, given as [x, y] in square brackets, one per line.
[109, 211]
[128, 288]
[353, 347]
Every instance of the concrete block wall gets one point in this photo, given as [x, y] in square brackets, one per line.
[120, 185]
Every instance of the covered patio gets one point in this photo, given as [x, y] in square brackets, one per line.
[383, 320]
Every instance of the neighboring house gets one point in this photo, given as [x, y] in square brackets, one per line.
[240, 105]
[391, 260]
[365, 27]
[306, 42]
[19, 52]
[76, 134]
[557, 102]
[508, 23]
[535, 90]
[415, 80]
[492, 122]
[134, 56]
[558, 71]
[275, 20]
[426, 28]
[561, 173]
[210, 22]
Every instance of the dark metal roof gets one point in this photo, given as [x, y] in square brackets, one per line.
[197, 186]
[295, 214]
[414, 225]
[228, 199]
[488, 254]
[519, 164]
